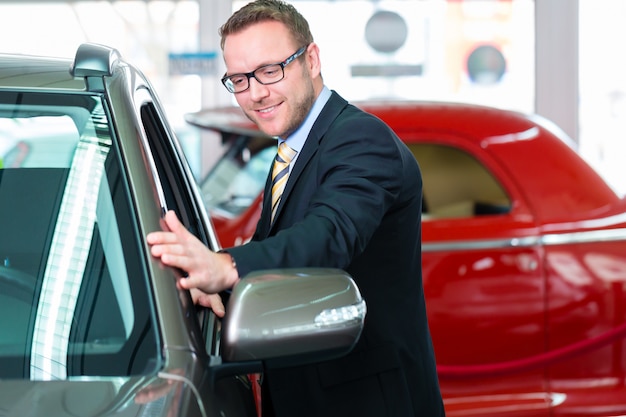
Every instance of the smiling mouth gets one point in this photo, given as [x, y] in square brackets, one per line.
[267, 110]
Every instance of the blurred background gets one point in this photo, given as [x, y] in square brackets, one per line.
[557, 58]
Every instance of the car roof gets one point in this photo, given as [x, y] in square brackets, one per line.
[83, 72]
[400, 116]
[539, 158]
[28, 71]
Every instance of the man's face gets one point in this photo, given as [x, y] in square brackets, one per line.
[278, 109]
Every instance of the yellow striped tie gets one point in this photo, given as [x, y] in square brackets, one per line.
[280, 173]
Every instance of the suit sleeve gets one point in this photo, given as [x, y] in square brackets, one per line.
[339, 200]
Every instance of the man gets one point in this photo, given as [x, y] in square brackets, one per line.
[352, 200]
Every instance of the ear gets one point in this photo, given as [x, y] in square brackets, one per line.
[313, 62]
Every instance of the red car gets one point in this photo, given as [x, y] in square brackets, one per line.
[524, 254]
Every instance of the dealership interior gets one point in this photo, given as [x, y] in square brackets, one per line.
[554, 58]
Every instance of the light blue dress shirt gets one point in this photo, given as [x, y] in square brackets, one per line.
[298, 137]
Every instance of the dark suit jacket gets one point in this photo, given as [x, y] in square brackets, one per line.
[353, 201]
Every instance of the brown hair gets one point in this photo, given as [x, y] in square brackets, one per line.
[263, 10]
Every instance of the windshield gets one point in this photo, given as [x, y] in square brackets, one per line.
[239, 176]
[71, 277]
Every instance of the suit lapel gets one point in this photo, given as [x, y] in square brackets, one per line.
[329, 113]
[263, 226]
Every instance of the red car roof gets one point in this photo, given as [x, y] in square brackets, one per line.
[539, 157]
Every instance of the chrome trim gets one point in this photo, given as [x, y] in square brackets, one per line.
[611, 235]
[607, 235]
[479, 244]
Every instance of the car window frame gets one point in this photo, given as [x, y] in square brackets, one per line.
[177, 191]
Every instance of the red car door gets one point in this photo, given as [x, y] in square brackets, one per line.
[484, 284]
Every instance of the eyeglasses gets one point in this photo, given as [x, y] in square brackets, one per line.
[267, 74]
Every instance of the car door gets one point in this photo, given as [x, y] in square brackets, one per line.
[233, 395]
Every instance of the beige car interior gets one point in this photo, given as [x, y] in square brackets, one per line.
[456, 184]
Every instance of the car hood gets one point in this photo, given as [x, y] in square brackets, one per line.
[136, 396]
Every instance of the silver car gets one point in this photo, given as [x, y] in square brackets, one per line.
[91, 324]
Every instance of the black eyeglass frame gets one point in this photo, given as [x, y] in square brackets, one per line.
[226, 80]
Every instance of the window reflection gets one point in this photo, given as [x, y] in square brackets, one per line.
[68, 247]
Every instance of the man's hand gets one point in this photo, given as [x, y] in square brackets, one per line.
[207, 271]
[212, 301]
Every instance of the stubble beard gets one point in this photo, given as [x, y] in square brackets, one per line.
[300, 109]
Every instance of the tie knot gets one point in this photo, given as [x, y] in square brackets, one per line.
[285, 153]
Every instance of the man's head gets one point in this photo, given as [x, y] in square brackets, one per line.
[272, 65]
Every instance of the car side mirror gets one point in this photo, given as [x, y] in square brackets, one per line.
[292, 316]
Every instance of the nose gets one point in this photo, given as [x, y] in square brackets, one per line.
[257, 90]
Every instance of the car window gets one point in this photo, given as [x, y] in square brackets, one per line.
[239, 177]
[71, 275]
[456, 184]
